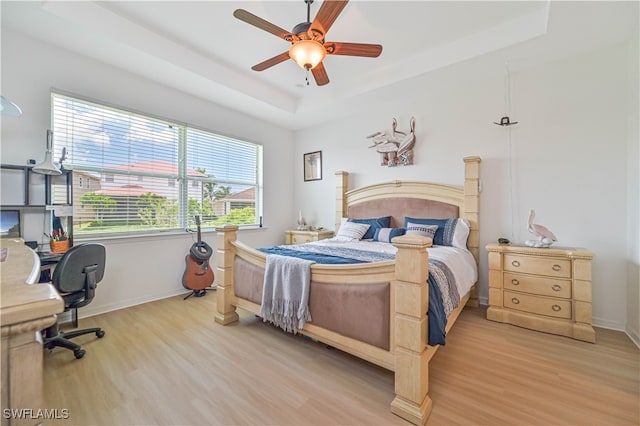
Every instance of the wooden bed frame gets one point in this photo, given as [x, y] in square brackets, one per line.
[409, 353]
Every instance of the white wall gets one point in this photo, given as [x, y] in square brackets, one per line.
[569, 154]
[572, 156]
[138, 269]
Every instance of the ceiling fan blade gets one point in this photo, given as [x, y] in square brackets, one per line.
[353, 49]
[320, 74]
[271, 62]
[258, 22]
[327, 15]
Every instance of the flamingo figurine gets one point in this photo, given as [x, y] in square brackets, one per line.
[545, 236]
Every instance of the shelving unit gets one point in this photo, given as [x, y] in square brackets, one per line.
[56, 191]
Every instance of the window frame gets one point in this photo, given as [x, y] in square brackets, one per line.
[182, 180]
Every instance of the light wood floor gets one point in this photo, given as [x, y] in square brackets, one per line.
[169, 363]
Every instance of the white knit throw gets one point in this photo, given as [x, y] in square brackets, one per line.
[285, 294]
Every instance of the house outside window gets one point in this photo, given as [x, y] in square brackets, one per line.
[139, 183]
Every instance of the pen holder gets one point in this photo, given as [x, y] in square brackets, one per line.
[59, 246]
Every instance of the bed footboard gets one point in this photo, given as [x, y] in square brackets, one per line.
[409, 354]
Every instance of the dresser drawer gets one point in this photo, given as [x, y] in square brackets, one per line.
[538, 285]
[301, 239]
[538, 265]
[537, 305]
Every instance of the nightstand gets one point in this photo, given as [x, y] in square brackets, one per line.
[301, 237]
[544, 289]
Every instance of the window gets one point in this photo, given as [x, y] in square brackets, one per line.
[151, 174]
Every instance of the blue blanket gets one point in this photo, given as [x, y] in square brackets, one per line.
[440, 279]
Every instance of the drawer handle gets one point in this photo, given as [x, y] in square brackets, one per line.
[515, 282]
[556, 308]
[515, 300]
[515, 263]
[556, 287]
[556, 267]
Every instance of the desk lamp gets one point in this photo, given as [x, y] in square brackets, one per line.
[47, 167]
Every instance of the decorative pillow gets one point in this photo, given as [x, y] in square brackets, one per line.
[374, 223]
[351, 231]
[451, 232]
[460, 233]
[386, 234]
[420, 229]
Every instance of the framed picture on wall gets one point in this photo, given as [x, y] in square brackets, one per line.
[312, 162]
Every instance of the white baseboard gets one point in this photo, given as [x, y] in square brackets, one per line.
[103, 309]
[634, 335]
[608, 324]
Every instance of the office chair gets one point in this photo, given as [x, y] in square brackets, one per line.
[76, 277]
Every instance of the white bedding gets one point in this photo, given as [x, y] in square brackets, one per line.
[461, 262]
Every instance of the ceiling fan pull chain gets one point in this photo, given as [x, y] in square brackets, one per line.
[306, 78]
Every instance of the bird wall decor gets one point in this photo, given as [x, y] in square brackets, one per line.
[544, 236]
[394, 146]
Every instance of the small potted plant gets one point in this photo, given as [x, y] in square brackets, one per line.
[59, 241]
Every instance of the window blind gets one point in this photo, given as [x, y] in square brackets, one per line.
[136, 173]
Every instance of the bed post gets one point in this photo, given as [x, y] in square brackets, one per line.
[471, 213]
[224, 276]
[412, 401]
[341, 199]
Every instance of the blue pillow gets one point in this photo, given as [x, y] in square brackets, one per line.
[438, 239]
[374, 223]
[386, 234]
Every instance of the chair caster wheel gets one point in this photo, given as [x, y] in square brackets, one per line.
[79, 353]
[100, 334]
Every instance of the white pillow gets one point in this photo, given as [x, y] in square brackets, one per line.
[351, 231]
[461, 234]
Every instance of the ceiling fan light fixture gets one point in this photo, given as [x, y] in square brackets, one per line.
[307, 53]
[9, 108]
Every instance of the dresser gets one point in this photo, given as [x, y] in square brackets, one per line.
[544, 289]
[301, 237]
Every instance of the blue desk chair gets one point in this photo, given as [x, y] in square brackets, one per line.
[76, 277]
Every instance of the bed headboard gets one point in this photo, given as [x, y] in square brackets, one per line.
[415, 199]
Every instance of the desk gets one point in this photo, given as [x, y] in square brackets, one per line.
[24, 310]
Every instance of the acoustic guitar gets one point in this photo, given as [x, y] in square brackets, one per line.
[198, 274]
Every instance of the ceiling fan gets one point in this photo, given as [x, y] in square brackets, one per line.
[308, 45]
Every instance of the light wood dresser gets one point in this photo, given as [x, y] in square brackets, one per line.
[301, 237]
[544, 289]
